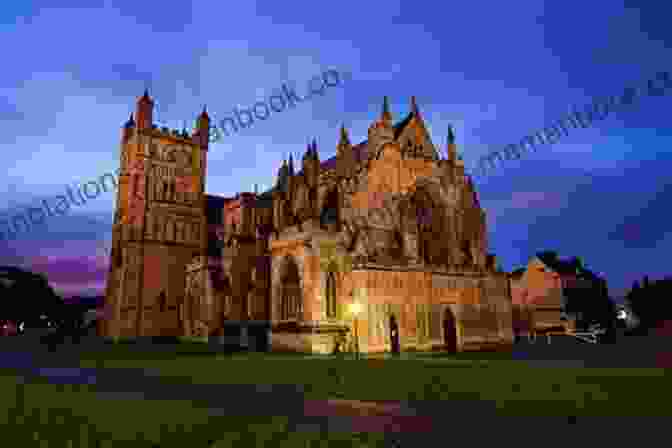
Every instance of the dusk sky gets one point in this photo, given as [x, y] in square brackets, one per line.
[496, 71]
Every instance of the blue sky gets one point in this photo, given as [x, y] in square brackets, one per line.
[495, 71]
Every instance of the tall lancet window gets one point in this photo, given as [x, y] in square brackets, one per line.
[291, 297]
[331, 294]
[424, 218]
[162, 301]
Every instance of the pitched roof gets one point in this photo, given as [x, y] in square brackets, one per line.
[361, 154]
[551, 260]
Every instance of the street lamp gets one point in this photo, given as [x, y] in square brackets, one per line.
[355, 309]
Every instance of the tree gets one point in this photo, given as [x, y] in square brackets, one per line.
[25, 296]
[650, 302]
[590, 301]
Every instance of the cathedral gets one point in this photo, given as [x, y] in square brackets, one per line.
[381, 248]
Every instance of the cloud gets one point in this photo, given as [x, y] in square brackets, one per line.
[648, 225]
[528, 203]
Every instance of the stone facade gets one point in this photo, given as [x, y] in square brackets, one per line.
[390, 224]
[159, 225]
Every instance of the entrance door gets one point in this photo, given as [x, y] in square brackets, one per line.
[394, 335]
[449, 331]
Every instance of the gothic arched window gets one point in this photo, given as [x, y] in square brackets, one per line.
[331, 294]
[329, 214]
[162, 301]
[290, 301]
[425, 218]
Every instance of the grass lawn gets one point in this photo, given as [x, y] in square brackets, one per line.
[46, 415]
[511, 387]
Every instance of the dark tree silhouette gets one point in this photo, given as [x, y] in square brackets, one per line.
[650, 302]
[26, 296]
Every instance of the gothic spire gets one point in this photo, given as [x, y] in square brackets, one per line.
[309, 150]
[145, 98]
[386, 115]
[414, 107]
[450, 146]
[344, 140]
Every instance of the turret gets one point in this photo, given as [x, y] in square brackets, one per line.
[382, 131]
[311, 164]
[343, 142]
[345, 155]
[144, 110]
[202, 131]
[283, 178]
[128, 129]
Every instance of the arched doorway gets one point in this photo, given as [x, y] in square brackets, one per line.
[394, 335]
[449, 331]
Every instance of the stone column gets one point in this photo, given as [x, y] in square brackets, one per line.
[305, 284]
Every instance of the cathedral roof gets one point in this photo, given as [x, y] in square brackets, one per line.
[361, 149]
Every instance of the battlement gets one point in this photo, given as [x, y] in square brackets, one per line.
[173, 134]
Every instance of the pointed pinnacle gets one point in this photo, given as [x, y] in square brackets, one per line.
[204, 113]
[414, 106]
[130, 122]
[344, 135]
[451, 135]
[145, 98]
[386, 109]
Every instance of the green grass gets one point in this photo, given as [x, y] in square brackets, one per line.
[46, 415]
[513, 387]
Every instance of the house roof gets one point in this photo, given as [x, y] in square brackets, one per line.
[551, 260]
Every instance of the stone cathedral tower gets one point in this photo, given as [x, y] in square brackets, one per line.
[159, 224]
